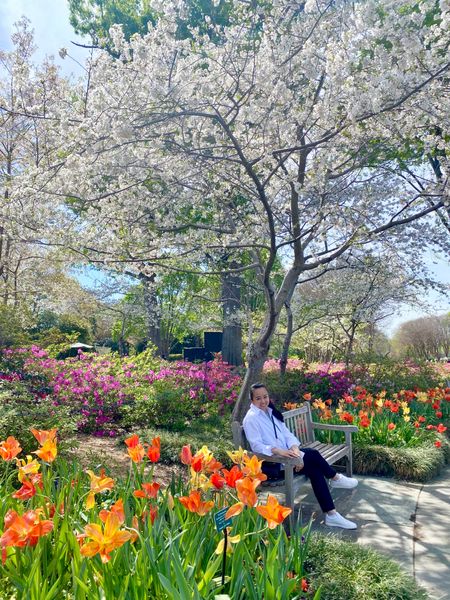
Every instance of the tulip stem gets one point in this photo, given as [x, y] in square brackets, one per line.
[224, 560]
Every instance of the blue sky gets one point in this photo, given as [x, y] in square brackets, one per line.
[50, 20]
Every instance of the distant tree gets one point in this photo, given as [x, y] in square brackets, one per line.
[424, 338]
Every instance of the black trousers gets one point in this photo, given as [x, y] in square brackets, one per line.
[317, 469]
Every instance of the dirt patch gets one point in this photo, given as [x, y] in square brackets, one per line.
[97, 453]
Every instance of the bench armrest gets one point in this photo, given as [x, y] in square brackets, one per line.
[334, 427]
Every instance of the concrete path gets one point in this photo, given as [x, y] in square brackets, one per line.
[409, 522]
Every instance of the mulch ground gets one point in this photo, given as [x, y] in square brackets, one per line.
[96, 453]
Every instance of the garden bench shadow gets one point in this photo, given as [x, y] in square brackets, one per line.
[299, 422]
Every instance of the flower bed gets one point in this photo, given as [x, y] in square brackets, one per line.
[69, 534]
[402, 435]
[105, 393]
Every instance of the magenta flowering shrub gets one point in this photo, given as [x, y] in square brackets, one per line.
[325, 380]
[106, 393]
[273, 365]
[209, 382]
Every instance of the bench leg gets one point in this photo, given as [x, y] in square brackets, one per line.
[349, 466]
[289, 483]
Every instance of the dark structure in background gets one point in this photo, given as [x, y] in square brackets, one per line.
[213, 341]
[212, 344]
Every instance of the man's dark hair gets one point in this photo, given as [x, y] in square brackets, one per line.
[276, 413]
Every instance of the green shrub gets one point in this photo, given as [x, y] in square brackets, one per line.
[349, 571]
[162, 405]
[284, 388]
[413, 464]
[393, 376]
[21, 410]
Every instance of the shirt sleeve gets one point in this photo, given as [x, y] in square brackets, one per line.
[254, 438]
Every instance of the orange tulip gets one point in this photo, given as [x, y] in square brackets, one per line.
[153, 453]
[99, 483]
[48, 451]
[212, 465]
[186, 455]
[135, 449]
[149, 490]
[117, 509]
[252, 468]
[232, 476]
[194, 503]
[43, 436]
[197, 463]
[23, 530]
[152, 513]
[106, 540]
[391, 426]
[245, 489]
[10, 448]
[273, 512]
[234, 510]
[28, 489]
[135, 526]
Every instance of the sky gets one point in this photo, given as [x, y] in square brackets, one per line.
[50, 20]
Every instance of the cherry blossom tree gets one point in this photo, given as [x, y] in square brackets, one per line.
[29, 95]
[267, 143]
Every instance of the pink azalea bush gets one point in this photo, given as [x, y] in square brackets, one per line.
[106, 392]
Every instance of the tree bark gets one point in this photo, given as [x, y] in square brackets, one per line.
[152, 311]
[287, 339]
[232, 328]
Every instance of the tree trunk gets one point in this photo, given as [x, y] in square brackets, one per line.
[260, 349]
[232, 329]
[287, 340]
[152, 311]
[255, 366]
[351, 340]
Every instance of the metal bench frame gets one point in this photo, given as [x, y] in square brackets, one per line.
[299, 422]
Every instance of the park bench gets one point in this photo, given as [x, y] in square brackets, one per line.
[299, 422]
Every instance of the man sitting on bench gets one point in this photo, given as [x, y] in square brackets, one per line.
[267, 434]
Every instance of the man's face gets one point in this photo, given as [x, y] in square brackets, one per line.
[261, 398]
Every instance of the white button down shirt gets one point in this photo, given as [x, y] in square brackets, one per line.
[260, 432]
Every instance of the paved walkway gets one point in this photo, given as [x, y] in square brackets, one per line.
[409, 522]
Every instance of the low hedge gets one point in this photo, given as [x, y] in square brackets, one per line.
[419, 464]
[346, 570]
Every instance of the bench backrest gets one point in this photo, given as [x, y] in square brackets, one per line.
[297, 420]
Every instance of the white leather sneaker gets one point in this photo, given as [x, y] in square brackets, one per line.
[344, 482]
[338, 520]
